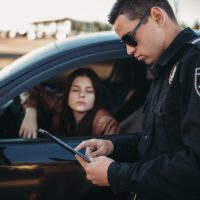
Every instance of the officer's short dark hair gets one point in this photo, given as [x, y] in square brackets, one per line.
[135, 9]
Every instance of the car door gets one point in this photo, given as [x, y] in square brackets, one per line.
[34, 169]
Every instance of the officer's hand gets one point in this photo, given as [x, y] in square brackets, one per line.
[97, 170]
[96, 147]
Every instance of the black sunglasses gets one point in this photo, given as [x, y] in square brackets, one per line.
[129, 39]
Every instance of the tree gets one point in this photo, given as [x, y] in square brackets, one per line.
[196, 25]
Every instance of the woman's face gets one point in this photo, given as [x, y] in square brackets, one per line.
[81, 96]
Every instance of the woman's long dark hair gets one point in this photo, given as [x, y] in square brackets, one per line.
[85, 126]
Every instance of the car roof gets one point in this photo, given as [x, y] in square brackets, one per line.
[54, 48]
[57, 57]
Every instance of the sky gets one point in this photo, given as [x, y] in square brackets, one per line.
[15, 14]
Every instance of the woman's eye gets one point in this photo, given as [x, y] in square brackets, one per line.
[75, 90]
[90, 91]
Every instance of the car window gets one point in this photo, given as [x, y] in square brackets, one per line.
[124, 80]
[13, 112]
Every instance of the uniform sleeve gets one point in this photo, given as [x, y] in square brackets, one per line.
[125, 147]
[174, 174]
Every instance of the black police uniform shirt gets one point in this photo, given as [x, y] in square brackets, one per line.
[163, 162]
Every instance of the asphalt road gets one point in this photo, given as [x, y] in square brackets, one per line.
[11, 49]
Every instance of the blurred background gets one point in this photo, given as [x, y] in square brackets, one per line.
[27, 24]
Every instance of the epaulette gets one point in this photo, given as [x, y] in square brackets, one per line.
[195, 41]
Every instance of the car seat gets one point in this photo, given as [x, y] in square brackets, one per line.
[128, 87]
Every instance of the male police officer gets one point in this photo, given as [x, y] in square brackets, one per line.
[163, 162]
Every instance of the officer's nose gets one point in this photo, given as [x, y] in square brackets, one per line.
[130, 50]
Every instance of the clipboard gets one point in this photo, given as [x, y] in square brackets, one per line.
[63, 144]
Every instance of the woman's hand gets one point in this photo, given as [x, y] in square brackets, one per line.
[29, 124]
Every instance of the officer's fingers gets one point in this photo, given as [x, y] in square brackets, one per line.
[81, 145]
[86, 143]
[82, 162]
[97, 153]
[89, 152]
[94, 159]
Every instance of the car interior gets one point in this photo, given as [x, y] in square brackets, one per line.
[126, 81]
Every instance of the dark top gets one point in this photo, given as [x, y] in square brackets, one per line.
[163, 162]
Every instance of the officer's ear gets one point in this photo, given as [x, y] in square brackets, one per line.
[158, 15]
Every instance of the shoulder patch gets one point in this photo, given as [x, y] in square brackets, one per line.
[197, 81]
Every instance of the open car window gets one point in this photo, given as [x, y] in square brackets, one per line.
[125, 81]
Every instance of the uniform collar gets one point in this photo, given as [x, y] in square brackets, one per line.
[181, 39]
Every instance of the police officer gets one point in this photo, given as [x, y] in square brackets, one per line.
[163, 162]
